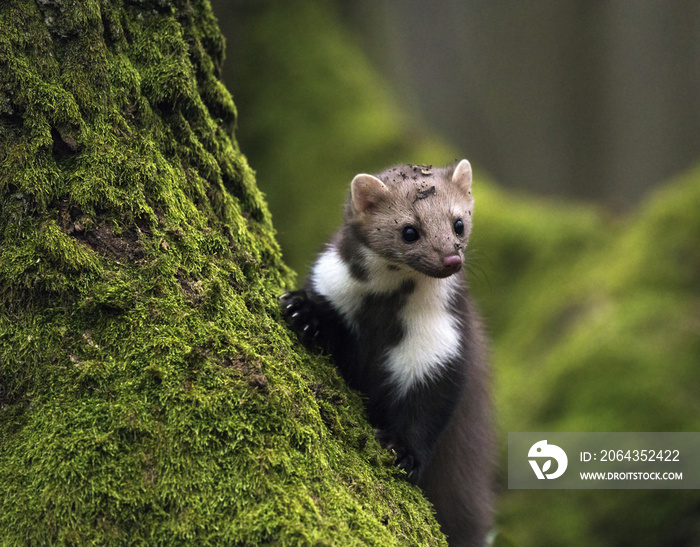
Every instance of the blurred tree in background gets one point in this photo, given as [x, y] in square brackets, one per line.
[595, 320]
[596, 100]
[314, 111]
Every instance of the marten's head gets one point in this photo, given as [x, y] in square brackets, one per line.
[415, 215]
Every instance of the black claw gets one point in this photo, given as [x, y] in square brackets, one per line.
[405, 458]
[300, 315]
[406, 462]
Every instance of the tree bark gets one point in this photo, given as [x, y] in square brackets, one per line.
[148, 393]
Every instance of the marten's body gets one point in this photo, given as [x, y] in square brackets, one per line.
[386, 300]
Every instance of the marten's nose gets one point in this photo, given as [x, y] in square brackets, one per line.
[452, 263]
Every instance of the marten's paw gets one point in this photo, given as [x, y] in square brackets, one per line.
[405, 459]
[300, 315]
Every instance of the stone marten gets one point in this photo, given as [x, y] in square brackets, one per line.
[388, 300]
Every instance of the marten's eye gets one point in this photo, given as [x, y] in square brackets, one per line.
[410, 234]
[459, 227]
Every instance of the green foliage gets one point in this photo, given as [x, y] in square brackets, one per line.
[148, 393]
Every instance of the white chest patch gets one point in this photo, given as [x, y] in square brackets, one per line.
[331, 278]
[431, 332]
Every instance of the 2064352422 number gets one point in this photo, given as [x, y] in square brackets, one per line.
[639, 455]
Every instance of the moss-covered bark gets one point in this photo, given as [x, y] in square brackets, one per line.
[148, 393]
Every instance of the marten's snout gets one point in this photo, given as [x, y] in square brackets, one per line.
[451, 264]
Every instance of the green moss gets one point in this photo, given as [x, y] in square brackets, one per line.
[148, 393]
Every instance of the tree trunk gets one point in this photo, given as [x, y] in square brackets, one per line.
[148, 393]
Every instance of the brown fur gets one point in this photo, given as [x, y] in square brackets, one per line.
[412, 195]
[459, 479]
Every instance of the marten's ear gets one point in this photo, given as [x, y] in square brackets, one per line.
[462, 177]
[366, 191]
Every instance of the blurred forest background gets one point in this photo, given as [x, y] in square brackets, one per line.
[582, 121]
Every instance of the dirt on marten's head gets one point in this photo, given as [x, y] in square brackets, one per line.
[415, 215]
